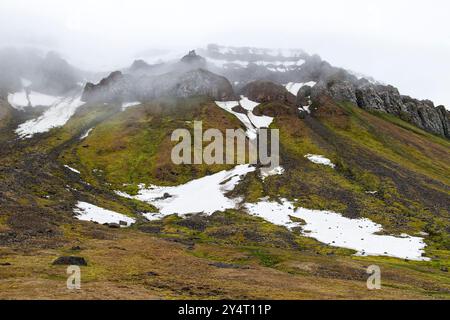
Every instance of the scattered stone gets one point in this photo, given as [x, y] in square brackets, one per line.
[76, 248]
[224, 265]
[444, 269]
[5, 264]
[70, 260]
[113, 225]
[123, 223]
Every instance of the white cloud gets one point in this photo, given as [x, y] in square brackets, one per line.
[401, 42]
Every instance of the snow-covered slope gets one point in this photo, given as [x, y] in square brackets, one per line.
[57, 115]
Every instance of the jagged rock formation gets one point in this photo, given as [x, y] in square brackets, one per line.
[122, 87]
[385, 98]
[339, 84]
[192, 58]
[115, 87]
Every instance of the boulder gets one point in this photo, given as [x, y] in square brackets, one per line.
[70, 260]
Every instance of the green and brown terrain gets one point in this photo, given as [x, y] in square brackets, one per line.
[388, 168]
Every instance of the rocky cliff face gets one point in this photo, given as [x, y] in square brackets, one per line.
[385, 98]
[115, 87]
[122, 87]
[261, 80]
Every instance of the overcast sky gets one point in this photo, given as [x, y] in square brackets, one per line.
[401, 42]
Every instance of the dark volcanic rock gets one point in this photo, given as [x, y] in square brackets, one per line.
[193, 59]
[202, 82]
[115, 87]
[382, 98]
[274, 109]
[69, 261]
[267, 91]
[118, 87]
[239, 109]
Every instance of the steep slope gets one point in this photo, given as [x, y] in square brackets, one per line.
[348, 148]
[289, 67]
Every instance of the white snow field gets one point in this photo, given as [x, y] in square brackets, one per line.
[57, 115]
[294, 87]
[319, 159]
[89, 212]
[126, 105]
[205, 195]
[250, 121]
[20, 100]
[335, 230]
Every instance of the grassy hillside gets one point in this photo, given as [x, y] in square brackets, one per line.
[228, 254]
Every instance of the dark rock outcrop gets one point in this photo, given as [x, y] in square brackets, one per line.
[115, 87]
[70, 261]
[118, 87]
[385, 98]
[193, 59]
[202, 82]
[267, 91]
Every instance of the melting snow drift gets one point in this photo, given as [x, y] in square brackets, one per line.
[335, 230]
[88, 212]
[72, 169]
[57, 115]
[316, 158]
[22, 99]
[250, 121]
[126, 105]
[206, 194]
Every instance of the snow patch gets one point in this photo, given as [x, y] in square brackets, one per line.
[72, 169]
[250, 120]
[18, 100]
[86, 134]
[247, 104]
[56, 116]
[294, 87]
[335, 230]
[89, 212]
[228, 106]
[319, 159]
[40, 99]
[205, 195]
[269, 171]
[126, 105]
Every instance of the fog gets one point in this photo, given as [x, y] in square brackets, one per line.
[404, 42]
